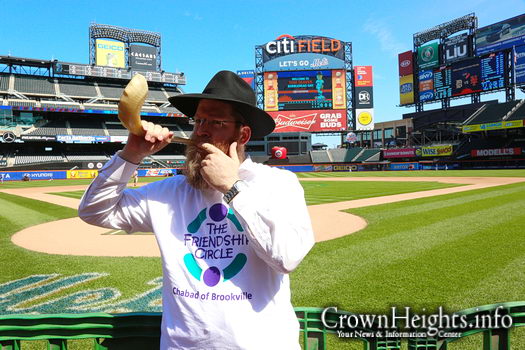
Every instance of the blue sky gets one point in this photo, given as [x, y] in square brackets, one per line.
[202, 37]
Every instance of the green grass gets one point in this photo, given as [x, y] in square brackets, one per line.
[425, 173]
[318, 192]
[458, 250]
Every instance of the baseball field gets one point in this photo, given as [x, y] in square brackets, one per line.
[426, 239]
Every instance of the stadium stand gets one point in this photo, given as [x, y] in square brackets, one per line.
[4, 82]
[110, 91]
[320, 156]
[368, 155]
[77, 88]
[52, 127]
[343, 155]
[491, 113]
[157, 95]
[86, 127]
[28, 84]
[116, 129]
[24, 159]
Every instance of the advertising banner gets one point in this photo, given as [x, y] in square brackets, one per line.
[493, 126]
[496, 152]
[303, 61]
[119, 139]
[426, 85]
[110, 53]
[406, 89]
[500, 36]
[343, 167]
[248, 76]
[428, 56]
[364, 97]
[143, 57]
[435, 151]
[457, 48]
[82, 138]
[32, 175]
[519, 64]
[466, 77]
[309, 121]
[286, 44]
[271, 94]
[363, 76]
[405, 166]
[164, 172]
[27, 138]
[399, 153]
[406, 66]
[364, 119]
[339, 89]
[82, 174]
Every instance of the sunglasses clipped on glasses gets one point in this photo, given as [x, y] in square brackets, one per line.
[213, 123]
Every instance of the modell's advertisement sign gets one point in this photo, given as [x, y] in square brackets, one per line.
[289, 52]
[309, 121]
[496, 152]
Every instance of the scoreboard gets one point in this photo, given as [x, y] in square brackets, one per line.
[298, 90]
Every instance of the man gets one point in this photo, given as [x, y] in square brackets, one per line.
[229, 231]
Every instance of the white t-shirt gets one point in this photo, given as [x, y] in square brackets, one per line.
[225, 282]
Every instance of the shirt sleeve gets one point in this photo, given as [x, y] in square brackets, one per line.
[276, 220]
[108, 203]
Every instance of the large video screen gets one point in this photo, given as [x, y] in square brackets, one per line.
[305, 90]
[462, 78]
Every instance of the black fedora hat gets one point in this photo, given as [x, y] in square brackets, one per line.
[229, 87]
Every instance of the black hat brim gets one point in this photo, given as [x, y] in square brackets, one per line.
[260, 122]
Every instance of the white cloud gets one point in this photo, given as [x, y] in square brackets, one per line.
[384, 35]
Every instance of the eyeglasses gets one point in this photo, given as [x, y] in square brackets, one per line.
[213, 123]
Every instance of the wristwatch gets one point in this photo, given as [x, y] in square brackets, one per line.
[232, 192]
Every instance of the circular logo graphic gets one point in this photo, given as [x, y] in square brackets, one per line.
[427, 54]
[278, 153]
[91, 165]
[418, 152]
[99, 165]
[8, 137]
[364, 118]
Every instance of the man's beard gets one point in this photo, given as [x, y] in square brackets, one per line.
[195, 155]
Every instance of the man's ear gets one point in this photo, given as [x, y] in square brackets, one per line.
[246, 134]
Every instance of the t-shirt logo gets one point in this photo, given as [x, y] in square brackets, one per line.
[212, 243]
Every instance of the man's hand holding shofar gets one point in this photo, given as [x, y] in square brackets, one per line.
[220, 170]
[145, 138]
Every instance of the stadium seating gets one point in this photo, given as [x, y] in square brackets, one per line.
[370, 155]
[156, 95]
[116, 129]
[4, 82]
[86, 158]
[77, 88]
[320, 156]
[86, 127]
[111, 91]
[493, 113]
[53, 127]
[343, 155]
[22, 103]
[28, 84]
[20, 160]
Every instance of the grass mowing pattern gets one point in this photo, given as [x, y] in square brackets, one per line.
[458, 250]
[424, 173]
[129, 275]
[319, 192]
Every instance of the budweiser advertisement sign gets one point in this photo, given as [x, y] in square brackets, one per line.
[399, 153]
[495, 152]
[309, 121]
